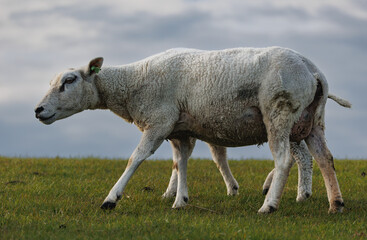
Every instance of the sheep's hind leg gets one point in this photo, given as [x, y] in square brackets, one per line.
[182, 149]
[283, 161]
[149, 142]
[278, 126]
[317, 145]
[219, 155]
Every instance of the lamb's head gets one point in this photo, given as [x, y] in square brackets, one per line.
[70, 92]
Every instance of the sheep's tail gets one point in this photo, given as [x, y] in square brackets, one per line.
[340, 101]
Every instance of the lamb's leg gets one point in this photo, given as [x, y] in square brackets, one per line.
[149, 142]
[268, 181]
[171, 190]
[304, 161]
[301, 155]
[182, 149]
[219, 155]
[317, 145]
[172, 186]
[220, 158]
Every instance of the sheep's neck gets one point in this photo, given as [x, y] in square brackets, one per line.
[111, 84]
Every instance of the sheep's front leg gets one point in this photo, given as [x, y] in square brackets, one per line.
[149, 142]
[219, 155]
[182, 149]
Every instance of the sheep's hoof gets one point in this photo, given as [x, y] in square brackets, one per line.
[337, 207]
[232, 191]
[267, 209]
[108, 205]
[180, 202]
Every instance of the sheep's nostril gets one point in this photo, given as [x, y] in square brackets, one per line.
[38, 111]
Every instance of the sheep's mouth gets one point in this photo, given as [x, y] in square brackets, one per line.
[45, 119]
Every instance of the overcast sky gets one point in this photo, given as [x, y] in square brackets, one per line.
[41, 38]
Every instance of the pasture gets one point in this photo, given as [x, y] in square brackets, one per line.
[60, 199]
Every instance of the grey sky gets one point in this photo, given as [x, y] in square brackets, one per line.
[41, 38]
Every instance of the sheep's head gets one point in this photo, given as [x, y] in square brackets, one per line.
[70, 92]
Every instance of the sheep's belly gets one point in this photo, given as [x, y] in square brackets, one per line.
[243, 129]
[230, 131]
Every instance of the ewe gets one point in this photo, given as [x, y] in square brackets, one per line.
[228, 98]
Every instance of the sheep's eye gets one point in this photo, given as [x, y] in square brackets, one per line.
[69, 80]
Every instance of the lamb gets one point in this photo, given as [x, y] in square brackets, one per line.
[218, 156]
[228, 98]
[300, 155]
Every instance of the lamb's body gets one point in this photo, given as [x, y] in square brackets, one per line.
[234, 97]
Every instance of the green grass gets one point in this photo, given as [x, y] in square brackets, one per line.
[60, 199]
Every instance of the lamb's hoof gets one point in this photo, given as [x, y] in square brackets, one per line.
[304, 196]
[337, 207]
[169, 195]
[108, 205]
[267, 209]
[180, 202]
[265, 191]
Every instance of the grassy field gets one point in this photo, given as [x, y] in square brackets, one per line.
[60, 199]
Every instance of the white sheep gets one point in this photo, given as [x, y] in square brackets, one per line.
[228, 98]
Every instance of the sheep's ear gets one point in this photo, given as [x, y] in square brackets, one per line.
[95, 65]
